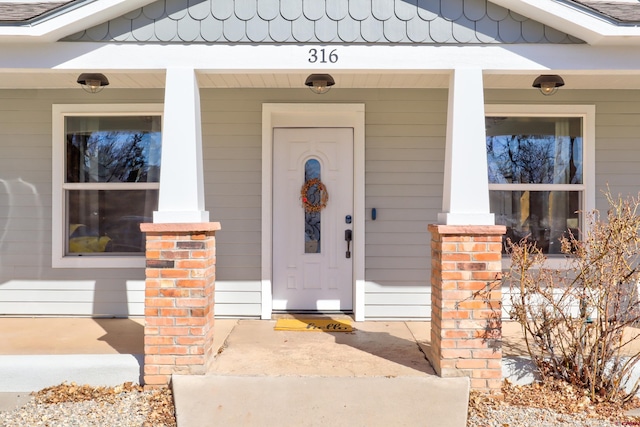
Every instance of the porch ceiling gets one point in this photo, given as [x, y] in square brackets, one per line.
[152, 80]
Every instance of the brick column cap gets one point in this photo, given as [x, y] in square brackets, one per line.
[151, 227]
[468, 229]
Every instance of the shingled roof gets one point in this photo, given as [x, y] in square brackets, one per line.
[624, 11]
[23, 12]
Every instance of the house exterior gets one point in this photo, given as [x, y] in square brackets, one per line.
[206, 118]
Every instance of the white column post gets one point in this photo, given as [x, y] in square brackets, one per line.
[465, 198]
[181, 171]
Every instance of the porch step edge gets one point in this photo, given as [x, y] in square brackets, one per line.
[27, 373]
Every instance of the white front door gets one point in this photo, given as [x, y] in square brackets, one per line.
[312, 262]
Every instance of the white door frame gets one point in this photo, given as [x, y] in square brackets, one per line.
[313, 115]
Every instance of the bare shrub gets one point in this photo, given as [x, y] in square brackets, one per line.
[578, 321]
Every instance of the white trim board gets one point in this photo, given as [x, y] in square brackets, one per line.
[258, 59]
[313, 115]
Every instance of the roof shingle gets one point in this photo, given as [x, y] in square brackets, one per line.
[621, 11]
[21, 12]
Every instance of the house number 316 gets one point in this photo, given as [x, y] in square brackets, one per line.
[322, 56]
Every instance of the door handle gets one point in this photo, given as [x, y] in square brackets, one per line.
[348, 236]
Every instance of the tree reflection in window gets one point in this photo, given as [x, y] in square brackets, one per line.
[536, 176]
[312, 219]
[113, 149]
[534, 159]
[111, 182]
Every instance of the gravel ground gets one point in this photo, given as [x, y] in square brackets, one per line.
[70, 405]
[520, 416]
[552, 404]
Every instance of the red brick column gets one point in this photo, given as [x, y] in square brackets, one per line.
[178, 305]
[466, 330]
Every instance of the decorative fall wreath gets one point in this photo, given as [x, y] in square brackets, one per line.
[314, 196]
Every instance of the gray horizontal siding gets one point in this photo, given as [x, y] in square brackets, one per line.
[28, 284]
[617, 148]
[232, 151]
[405, 132]
[410, 301]
[404, 162]
[105, 297]
[238, 298]
[63, 308]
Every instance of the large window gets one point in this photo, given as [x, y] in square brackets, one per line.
[540, 171]
[106, 182]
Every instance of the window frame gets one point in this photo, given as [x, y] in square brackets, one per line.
[58, 226]
[588, 115]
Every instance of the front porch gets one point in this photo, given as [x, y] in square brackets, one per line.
[37, 352]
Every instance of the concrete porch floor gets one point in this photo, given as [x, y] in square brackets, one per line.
[78, 336]
[85, 350]
[40, 352]
[73, 335]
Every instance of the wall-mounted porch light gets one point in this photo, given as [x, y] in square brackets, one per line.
[548, 83]
[93, 82]
[320, 83]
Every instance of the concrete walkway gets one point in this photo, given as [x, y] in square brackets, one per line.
[230, 401]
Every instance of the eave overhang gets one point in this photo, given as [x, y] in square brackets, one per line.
[581, 22]
[567, 16]
[67, 20]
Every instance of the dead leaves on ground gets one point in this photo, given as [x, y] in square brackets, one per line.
[159, 409]
[80, 393]
[555, 395]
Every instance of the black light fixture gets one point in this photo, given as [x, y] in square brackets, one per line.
[93, 82]
[548, 83]
[320, 83]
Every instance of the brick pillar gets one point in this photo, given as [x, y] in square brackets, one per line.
[466, 330]
[178, 304]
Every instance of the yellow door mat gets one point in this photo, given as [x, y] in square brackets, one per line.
[314, 325]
